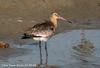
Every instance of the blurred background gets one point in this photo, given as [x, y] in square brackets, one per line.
[17, 15]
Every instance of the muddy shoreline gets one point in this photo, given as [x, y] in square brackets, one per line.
[17, 16]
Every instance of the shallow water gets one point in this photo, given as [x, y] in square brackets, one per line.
[60, 52]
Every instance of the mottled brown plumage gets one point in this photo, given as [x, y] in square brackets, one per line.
[45, 29]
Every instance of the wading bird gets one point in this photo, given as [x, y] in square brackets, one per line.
[43, 31]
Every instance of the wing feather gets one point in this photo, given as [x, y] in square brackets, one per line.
[43, 29]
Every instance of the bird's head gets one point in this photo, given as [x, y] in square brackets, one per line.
[57, 16]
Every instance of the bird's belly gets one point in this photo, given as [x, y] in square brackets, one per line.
[43, 33]
[40, 38]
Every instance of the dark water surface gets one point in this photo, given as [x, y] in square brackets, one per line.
[60, 52]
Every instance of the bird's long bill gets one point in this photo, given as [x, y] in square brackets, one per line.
[65, 20]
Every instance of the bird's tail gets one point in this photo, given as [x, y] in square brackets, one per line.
[25, 36]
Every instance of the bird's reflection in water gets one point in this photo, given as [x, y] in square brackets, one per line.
[84, 49]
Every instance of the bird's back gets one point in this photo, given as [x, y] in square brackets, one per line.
[41, 30]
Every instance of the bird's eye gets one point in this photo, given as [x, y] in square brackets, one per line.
[56, 14]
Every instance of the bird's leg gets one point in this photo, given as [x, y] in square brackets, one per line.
[46, 53]
[40, 53]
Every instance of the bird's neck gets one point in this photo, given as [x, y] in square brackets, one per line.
[54, 21]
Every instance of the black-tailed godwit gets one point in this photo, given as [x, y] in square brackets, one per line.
[43, 31]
